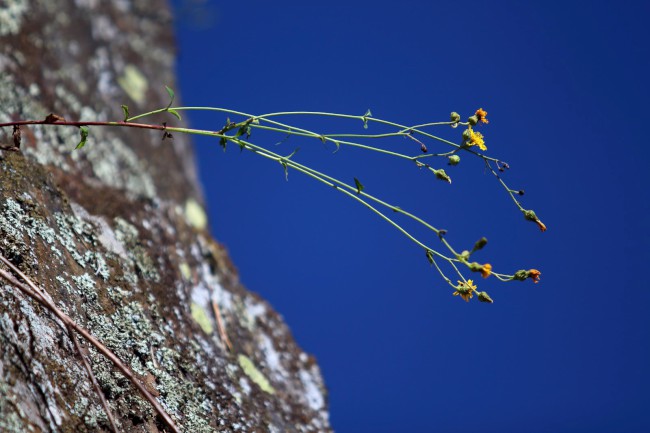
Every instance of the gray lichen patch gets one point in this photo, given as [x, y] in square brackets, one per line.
[11, 16]
[19, 229]
[128, 235]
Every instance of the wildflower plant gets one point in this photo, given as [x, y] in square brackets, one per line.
[241, 132]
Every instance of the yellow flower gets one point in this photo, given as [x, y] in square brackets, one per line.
[482, 115]
[486, 270]
[465, 290]
[476, 139]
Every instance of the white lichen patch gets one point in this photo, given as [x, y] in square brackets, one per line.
[251, 311]
[313, 393]
[272, 358]
[244, 385]
[103, 28]
[201, 308]
[115, 164]
[104, 233]
[11, 16]
[100, 64]
[128, 235]
[86, 4]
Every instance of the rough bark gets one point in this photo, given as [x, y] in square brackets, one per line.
[117, 236]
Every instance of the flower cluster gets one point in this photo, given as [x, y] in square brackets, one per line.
[471, 137]
[465, 290]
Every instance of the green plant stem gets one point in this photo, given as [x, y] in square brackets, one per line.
[270, 155]
[349, 190]
[508, 190]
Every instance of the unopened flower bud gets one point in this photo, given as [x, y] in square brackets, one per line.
[530, 215]
[467, 134]
[455, 117]
[453, 159]
[440, 174]
[520, 275]
[484, 297]
[480, 244]
[473, 120]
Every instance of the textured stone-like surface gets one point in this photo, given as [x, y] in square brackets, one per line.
[116, 235]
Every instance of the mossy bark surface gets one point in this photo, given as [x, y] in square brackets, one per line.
[116, 234]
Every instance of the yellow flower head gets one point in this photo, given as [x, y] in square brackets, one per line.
[486, 270]
[465, 290]
[482, 115]
[476, 139]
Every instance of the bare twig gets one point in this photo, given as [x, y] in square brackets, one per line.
[93, 379]
[220, 325]
[33, 291]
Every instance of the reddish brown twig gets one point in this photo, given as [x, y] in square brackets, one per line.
[79, 123]
[220, 325]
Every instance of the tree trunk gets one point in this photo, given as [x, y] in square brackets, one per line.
[116, 234]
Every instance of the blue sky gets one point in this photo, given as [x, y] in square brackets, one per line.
[565, 86]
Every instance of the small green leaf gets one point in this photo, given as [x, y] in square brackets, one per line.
[359, 185]
[125, 110]
[286, 169]
[170, 92]
[292, 153]
[338, 146]
[241, 145]
[365, 118]
[244, 129]
[430, 256]
[174, 113]
[83, 132]
[222, 142]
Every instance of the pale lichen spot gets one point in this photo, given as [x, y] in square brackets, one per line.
[134, 83]
[201, 317]
[195, 214]
[185, 270]
[254, 374]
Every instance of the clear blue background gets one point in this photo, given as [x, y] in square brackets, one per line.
[566, 88]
